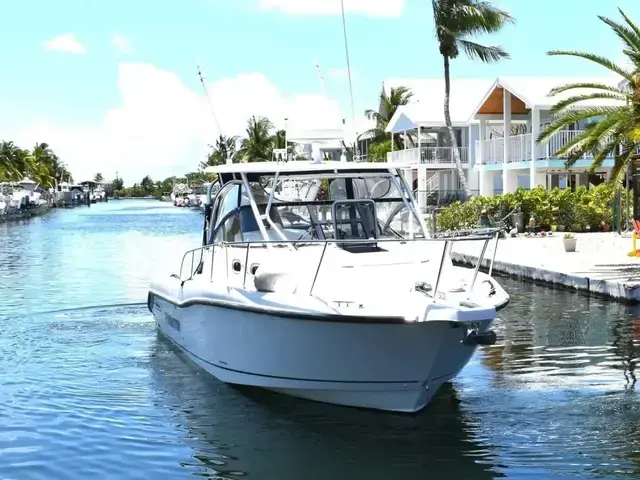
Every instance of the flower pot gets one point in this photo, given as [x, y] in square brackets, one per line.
[561, 228]
[606, 227]
[569, 244]
[554, 228]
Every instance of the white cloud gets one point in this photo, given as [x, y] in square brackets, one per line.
[373, 8]
[120, 42]
[162, 127]
[65, 43]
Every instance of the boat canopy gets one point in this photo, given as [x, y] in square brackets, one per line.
[312, 200]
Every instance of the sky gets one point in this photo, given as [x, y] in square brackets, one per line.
[112, 86]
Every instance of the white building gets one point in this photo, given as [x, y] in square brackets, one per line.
[482, 110]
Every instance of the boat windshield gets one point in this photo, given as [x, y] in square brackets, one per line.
[329, 207]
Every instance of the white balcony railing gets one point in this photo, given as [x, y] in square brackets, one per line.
[520, 148]
[439, 157]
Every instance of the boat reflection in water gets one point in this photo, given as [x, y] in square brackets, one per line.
[244, 431]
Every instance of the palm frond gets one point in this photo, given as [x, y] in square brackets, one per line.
[620, 163]
[480, 18]
[590, 140]
[574, 116]
[482, 52]
[587, 85]
[628, 36]
[603, 153]
[600, 60]
[570, 102]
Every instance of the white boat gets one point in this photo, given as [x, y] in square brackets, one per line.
[25, 195]
[336, 295]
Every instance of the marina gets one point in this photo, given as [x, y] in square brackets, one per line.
[25, 199]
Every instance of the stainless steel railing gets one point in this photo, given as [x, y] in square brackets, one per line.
[195, 258]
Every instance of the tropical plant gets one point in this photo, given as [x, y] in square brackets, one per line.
[388, 105]
[573, 208]
[613, 129]
[98, 178]
[9, 167]
[147, 184]
[41, 164]
[259, 142]
[223, 148]
[378, 151]
[456, 21]
[117, 184]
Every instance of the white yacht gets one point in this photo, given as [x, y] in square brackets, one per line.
[321, 281]
[25, 195]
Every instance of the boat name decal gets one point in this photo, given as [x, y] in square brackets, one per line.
[157, 305]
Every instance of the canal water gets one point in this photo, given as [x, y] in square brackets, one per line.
[89, 390]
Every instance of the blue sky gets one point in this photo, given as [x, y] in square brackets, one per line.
[79, 101]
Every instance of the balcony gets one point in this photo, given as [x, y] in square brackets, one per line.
[520, 148]
[435, 157]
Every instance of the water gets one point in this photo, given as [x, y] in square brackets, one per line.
[89, 390]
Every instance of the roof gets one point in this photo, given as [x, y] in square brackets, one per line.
[427, 104]
[299, 166]
[534, 91]
[315, 136]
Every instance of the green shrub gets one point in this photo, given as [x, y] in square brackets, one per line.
[575, 209]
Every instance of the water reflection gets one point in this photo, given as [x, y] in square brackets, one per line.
[250, 431]
[565, 339]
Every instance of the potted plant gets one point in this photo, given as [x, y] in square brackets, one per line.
[554, 228]
[605, 226]
[569, 241]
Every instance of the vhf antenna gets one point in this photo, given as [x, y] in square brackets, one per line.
[213, 112]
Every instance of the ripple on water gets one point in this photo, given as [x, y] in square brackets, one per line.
[95, 393]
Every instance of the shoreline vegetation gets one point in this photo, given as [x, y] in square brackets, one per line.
[40, 164]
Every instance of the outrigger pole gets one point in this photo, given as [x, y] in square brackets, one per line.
[213, 112]
[346, 48]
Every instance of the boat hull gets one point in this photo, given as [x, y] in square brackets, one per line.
[384, 365]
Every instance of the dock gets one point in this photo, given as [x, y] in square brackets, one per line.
[600, 265]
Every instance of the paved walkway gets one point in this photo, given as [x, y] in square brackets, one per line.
[599, 265]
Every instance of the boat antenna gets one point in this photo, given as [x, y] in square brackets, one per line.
[213, 112]
[346, 48]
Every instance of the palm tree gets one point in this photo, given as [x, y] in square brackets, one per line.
[98, 178]
[147, 184]
[8, 161]
[612, 129]
[457, 21]
[225, 146]
[388, 105]
[259, 143]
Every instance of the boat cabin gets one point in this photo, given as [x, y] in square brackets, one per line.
[303, 201]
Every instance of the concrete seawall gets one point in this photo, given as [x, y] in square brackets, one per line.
[599, 266]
